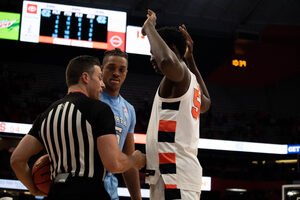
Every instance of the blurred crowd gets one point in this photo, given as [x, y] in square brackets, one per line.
[259, 126]
[20, 104]
[23, 97]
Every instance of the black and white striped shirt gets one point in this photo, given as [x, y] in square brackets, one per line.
[68, 129]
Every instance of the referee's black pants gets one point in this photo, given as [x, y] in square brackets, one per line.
[78, 188]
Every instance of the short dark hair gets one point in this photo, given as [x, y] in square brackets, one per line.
[77, 66]
[114, 52]
[173, 36]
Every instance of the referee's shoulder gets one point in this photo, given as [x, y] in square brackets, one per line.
[98, 104]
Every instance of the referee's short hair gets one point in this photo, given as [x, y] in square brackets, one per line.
[77, 66]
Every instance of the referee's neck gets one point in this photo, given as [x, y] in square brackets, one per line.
[77, 88]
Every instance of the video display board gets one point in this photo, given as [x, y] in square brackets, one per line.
[135, 42]
[73, 25]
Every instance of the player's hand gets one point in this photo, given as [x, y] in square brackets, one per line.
[189, 42]
[139, 159]
[150, 21]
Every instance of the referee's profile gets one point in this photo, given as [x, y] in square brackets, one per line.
[78, 133]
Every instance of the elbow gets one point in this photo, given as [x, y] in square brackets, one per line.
[14, 161]
[165, 64]
[168, 67]
[17, 162]
[114, 167]
[206, 106]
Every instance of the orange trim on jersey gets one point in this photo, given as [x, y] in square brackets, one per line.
[166, 158]
[167, 126]
[170, 186]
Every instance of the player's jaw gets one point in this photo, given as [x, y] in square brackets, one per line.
[115, 81]
[113, 84]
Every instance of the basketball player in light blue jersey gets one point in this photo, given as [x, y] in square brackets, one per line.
[114, 69]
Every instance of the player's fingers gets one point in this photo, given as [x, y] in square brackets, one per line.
[181, 29]
[188, 37]
[185, 31]
[150, 11]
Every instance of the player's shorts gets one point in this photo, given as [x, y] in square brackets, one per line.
[159, 192]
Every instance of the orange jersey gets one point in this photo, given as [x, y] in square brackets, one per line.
[172, 140]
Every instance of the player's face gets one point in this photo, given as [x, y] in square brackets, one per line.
[114, 72]
[96, 85]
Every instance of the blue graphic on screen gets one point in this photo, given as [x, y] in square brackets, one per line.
[101, 19]
[293, 149]
[68, 25]
[46, 13]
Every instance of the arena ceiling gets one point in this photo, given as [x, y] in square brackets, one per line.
[207, 17]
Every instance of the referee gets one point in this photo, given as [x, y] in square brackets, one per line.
[78, 133]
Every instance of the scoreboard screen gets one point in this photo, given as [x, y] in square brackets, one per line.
[73, 25]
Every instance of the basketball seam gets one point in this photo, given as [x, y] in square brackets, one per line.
[43, 182]
[38, 170]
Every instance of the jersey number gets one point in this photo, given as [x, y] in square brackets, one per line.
[197, 104]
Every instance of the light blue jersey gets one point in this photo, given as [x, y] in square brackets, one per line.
[125, 119]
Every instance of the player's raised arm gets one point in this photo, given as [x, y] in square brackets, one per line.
[165, 58]
[189, 58]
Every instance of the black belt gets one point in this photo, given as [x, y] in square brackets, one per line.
[62, 178]
[67, 177]
[150, 172]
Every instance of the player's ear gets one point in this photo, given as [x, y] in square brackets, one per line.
[85, 77]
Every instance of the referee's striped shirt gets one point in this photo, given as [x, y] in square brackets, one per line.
[68, 129]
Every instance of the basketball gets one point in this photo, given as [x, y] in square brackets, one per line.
[41, 174]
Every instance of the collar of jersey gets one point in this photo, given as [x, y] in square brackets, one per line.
[112, 99]
[77, 92]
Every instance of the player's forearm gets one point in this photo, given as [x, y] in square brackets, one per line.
[190, 61]
[132, 181]
[131, 177]
[164, 57]
[159, 48]
[193, 67]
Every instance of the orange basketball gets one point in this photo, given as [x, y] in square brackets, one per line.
[41, 174]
